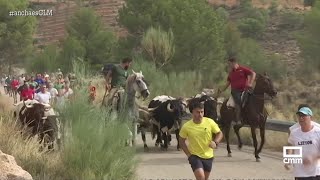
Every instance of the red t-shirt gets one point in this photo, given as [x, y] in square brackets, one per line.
[27, 94]
[15, 84]
[238, 77]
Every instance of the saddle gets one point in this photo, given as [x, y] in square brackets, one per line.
[244, 99]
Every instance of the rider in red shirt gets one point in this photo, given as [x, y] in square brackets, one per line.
[241, 79]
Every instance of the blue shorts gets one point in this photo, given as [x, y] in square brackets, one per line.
[197, 162]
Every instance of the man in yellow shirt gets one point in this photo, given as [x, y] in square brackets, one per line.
[200, 134]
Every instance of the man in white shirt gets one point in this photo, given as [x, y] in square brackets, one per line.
[297, 125]
[308, 137]
[43, 96]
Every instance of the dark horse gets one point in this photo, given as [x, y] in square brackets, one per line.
[254, 114]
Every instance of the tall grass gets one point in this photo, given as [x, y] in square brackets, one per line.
[93, 143]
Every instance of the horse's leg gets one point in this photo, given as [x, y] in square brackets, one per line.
[226, 133]
[262, 136]
[143, 136]
[177, 137]
[237, 128]
[255, 143]
[134, 132]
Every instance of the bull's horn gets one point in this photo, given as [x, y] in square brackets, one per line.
[151, 109]
[28, 106]
[168, 108]
[134, 72]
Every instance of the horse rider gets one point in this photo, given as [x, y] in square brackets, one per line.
[116, 80]
[241, 79]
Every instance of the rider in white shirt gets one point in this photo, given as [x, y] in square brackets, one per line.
[308, 137]
[43, 96]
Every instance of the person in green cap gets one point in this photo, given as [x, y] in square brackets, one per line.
[116, 79]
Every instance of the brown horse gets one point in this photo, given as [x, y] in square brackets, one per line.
[254, 114]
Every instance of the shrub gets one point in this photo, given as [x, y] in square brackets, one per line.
[251, 27]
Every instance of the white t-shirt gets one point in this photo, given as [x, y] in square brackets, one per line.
[310, 142]
[43, 98]
[53, 92]
[297, 125]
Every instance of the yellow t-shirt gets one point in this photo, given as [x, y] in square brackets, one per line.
[199, 136]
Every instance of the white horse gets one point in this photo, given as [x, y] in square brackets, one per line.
[125, 100]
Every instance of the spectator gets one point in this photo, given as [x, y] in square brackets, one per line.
[306, 136]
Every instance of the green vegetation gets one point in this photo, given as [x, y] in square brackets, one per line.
[309, 43]
[87, 39]
[94, 144]
[158, 46]
[197, 30]
[15, 33]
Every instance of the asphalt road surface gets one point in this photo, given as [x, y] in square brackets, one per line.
[173, 164]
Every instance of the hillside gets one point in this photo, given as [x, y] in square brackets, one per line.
[51, 29]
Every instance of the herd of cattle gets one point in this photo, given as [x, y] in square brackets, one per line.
[164, 115]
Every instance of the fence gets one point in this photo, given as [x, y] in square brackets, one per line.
[276, 125]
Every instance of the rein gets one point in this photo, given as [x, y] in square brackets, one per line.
[261, 96]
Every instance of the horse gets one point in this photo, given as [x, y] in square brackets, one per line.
[126, 103]
[254, 114]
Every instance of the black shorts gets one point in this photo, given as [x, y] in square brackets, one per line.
[197, 162]
[308, 178]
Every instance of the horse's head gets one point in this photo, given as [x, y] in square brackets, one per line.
[139, 84]
[265, 85]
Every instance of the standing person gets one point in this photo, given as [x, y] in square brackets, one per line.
[200, 132]
[116, 79]
[27, 92]
[43, 96]
[22, 79]
[53, 92]
[306, 136]
[241, 79]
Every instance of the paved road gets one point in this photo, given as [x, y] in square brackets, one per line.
[157, 164]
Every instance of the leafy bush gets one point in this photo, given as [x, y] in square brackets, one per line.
[309, 41]
[251, 27]
[309, 2]
[197, 29]
[291, 20]
[158, 46]
[252, 55]
[46, 61]
[222, 12]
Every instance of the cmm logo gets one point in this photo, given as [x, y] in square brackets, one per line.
[292, 157]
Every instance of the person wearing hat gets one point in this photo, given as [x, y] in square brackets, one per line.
[297, 125]
[306, 136]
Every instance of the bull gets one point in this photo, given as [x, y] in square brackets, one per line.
[39, 120]
[210, 105]
[166, 114]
